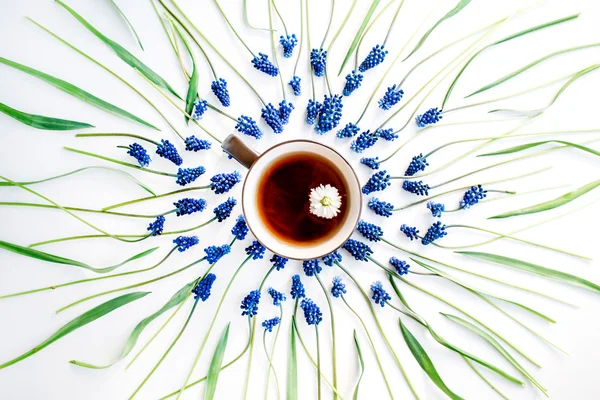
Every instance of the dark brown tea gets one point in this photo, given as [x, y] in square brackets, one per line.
[283, 198]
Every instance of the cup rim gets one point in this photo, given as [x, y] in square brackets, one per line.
[360, 200]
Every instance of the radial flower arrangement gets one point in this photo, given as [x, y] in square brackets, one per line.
[205, 188]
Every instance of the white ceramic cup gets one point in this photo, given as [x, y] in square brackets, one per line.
[259, 163]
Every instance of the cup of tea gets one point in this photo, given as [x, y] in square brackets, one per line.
[275, 196]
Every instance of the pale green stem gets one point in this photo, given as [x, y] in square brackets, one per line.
[337, 33]
[247, 20]
[273, 45]
[126, 203]
[231, 26]
[271, 355]
[280, 18]
[387, 36]
[328, 24]
[333, 345]
[270, 368]
[371, 24]
[470, 364]
[6, 203]
[301, 38]
[318, 362]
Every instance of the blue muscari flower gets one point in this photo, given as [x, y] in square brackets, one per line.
[332, 258]
[380, 180]
[353, 82]
[312, 312]
[371, 162]
[386, 134]
[295, 84]
[288, 43]
[430, 116]
[247, 126]
[214, 253]
[223, 210]
[391, 97]
[329, 114]
[359, 250]
[436, 208]
[472, 197]
[189, 175]
[370, 231]
[410, 231]
[240, 229]
[338, 288]
[348, 131]
[381, 207]
[277, 297]
[202, 290]
[271, 116]
[187, 206]
[156, 228]
[200, 107]
[219, 88]
[185, 242]
[297, 291]
[222, 183]
[278, 262]
[269, 324]
[285, 110]
[435, 232]
[418, 188]
[311, 267]
[375, 57]
[256, 250]
[418, 163]
[363, 141]
[192, 143]
[318, 59]
[379, 296]
[165, 149]
[262, 63]
[250, 303]
[312, 111]
[400, 266]
[138, 152]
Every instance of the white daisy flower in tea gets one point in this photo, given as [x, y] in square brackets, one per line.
[325, 201]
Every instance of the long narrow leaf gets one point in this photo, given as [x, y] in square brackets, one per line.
[84, 319]
[533, 269]
[461, 4]
[516, 149]
[122, 53]
[549, 205]
[192, 91]
[425, 362]
[215, 366]
[42, 122]
[129, 24]
[361, 362]
[359, 33]
[292, 368]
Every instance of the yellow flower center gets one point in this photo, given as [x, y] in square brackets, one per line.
[326, 201]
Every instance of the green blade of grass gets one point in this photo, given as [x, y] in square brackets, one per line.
[122, 53]
[361, 362]
[82, 320]
[215, 366]
[549, 205]
[292, 368]
[76, 92]
[129, 24]
[43, 122]
[516, 149]
[192, 91]
[533, 269]
[458, 8]
[359, 33]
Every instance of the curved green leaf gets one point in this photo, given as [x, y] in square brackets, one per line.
[516, 149]
[122, 53]
[359, 33]
[458, 8]
[82, 320]
[361, 362]
[292, 368]
[215, 366]
[129, 24]
[192, 91]
[549, 205]
[42, 122]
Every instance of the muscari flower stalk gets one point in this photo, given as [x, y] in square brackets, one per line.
[189, 175]
[219, 88]
[369, 231]
[269, 324]
[250, 304]
[359, 250]
[392, 96]
[214, 253]
[350, 130]
[222, 183]
[431, 116]
[400, 266]
[185, 242]
[295, 85]
[187, 206]
[192, 143]
[411, 232]
[330, 114]
[472, 197]
[240, 229]
[167, 150]
[288, 43]
[379, 295]
[312, 312]
[419, 188]
[371, 162]
[277, 296]
[436, 208]
[339, 288]
[332, 258]
[311, 267]
[285, 110]
[256, 250]
[418, 163]
[381, 207]
[202, 290]
[318, 60]
[297, 291]
[353, 82]
[364, 141]
[435, 232]
[156, 228]
[200, 107]
[313, 109]
[278, 262]
[271, 116]
[375, 57]
[138, 152]
[262, 63]
[223, 210]
[380, 180]
[248, 126]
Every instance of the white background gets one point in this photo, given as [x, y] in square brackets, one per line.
[27, 154]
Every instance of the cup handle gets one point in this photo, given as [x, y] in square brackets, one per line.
[234, 146]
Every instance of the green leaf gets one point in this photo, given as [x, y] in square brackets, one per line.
[361, 362]
[215, 366]
[526, 146]
[359, 33]
[82, 320]
[425, 362]
[533, 269]
[292, 368]
[76, 92]
[42, 122]
[192, 92]
[549, 205]
[128, 23]
[461, 4]
[177, 299]
[122, 53]
[494, 343]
